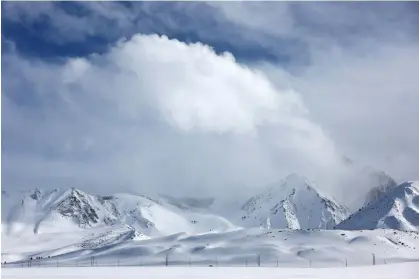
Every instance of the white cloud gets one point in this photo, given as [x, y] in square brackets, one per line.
[373, 98]
[156, 114]
[274, 18]
[367, 104]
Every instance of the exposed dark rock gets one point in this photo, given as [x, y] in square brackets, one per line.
[36, 195]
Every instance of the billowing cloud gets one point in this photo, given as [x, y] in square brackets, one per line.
[154, 114]
[313, 80]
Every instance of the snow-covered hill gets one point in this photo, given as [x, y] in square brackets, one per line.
[398, 209]
[108, 245]
[293, 204]
[56, 211]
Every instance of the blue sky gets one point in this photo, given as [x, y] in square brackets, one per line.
[142, 96]
[37, 36]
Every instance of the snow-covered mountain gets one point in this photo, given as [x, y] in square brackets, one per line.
[380, 184]
[295, 204]
[41, 211]
[356, 185]
[52, 211]
[398, 209]
[72, 226]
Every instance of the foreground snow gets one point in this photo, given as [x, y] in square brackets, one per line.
[287, 248]
[396, 271]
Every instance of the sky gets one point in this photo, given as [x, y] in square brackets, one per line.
[208, 98]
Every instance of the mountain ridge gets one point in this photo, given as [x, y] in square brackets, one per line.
[72, 209]
[397, 209]
[293, 203]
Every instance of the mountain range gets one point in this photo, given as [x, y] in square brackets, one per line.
[291, 222]
[293, 203]
[46, 211]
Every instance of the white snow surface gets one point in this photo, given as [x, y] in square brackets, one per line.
[324, 248]
[398, 209]
[393, 271]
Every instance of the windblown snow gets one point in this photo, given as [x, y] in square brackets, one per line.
[381, 184]
[398, 209]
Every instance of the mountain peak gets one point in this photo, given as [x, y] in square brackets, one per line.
[293, 203]
[295, 180]
[84, 209]
[398, 209]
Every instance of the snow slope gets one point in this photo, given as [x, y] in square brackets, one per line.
[110, 245]
[398, 209]
[39, 211]
[72, 210]
[294, 204]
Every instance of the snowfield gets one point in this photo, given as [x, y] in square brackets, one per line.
[286, 248]
[393, 271]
